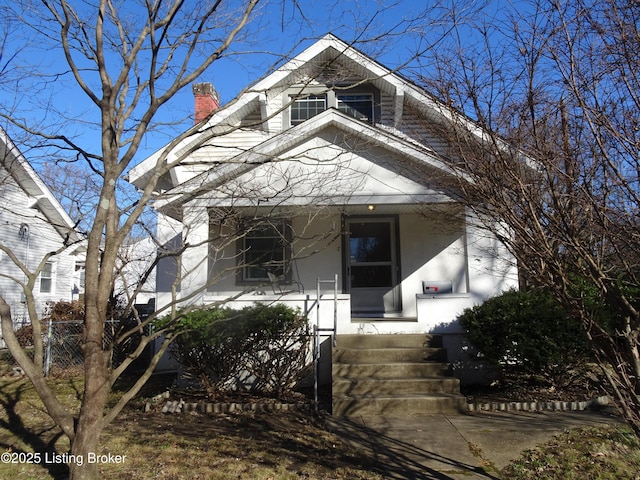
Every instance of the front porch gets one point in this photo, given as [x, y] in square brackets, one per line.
[436, 313]
[330, 312]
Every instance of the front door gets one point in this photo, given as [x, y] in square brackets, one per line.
[371, 265]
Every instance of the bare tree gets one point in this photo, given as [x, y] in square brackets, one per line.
[128, 67]
[553, 165]
[129, 62]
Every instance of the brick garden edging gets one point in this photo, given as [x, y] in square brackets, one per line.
[180, 406]
[538, 406]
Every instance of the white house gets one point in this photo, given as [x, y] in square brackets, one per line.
[327, 168]
[135, 273]
[32, 224]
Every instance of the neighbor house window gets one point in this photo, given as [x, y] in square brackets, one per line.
[78, 283]
[304, 108]
[46, 278]
[265, 250]
[357, 106]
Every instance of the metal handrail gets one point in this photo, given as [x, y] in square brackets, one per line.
[317, 330]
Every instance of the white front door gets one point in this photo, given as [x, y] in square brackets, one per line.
[371, 264]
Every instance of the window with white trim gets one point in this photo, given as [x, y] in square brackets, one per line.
[79, 277]
[307, 107]
[265, 250]
[360, 103]
[358, 106]
[46, 278]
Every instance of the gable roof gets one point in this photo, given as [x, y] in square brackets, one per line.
[414, 157]
[12, 160]
[327, 51]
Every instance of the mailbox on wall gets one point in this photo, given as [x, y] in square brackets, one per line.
[436, 287]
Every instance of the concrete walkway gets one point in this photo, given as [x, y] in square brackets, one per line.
[471, 446]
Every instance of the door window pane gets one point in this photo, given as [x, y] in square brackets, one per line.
[370, 242]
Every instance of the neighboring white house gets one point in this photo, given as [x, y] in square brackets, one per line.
[32, 224]
[324, 168]
[135, 264]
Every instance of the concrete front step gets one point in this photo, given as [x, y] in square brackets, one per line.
[398, 405]
[410, 340]
[390, 370]
[402, 374]
[388, 355]
[396, 386]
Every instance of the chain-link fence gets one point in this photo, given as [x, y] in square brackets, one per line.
[63, 344]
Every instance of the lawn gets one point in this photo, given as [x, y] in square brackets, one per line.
[604, 453]
[275, 446]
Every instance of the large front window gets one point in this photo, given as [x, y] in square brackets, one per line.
[266, 250]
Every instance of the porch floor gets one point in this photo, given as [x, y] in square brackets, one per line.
[381, 318]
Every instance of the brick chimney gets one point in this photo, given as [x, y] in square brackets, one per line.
[206, 100]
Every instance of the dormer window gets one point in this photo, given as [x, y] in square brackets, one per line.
[362, 104]
[358, 106]
[304, 108]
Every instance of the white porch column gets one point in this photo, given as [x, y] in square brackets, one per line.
[195, 258]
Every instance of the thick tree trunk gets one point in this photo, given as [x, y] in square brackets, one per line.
[90, 423]
[84, 445]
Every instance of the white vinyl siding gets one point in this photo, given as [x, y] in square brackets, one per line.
[30, 237]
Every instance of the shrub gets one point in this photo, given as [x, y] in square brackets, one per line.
[527, 333]
[262, 348]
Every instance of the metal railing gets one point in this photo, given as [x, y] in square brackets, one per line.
[317, 330]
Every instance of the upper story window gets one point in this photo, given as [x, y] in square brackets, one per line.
[304, 108]
[362, 104]
[358, 106]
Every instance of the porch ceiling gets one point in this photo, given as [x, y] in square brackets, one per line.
[360, 210]
[384, 209]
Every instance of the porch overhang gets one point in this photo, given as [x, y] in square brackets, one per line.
[304, 145]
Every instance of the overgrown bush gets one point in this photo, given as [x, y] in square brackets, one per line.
[262, 348]
[527, 333]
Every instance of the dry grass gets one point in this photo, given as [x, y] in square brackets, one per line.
[274, 446]
[277, 446]
[603, 453]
